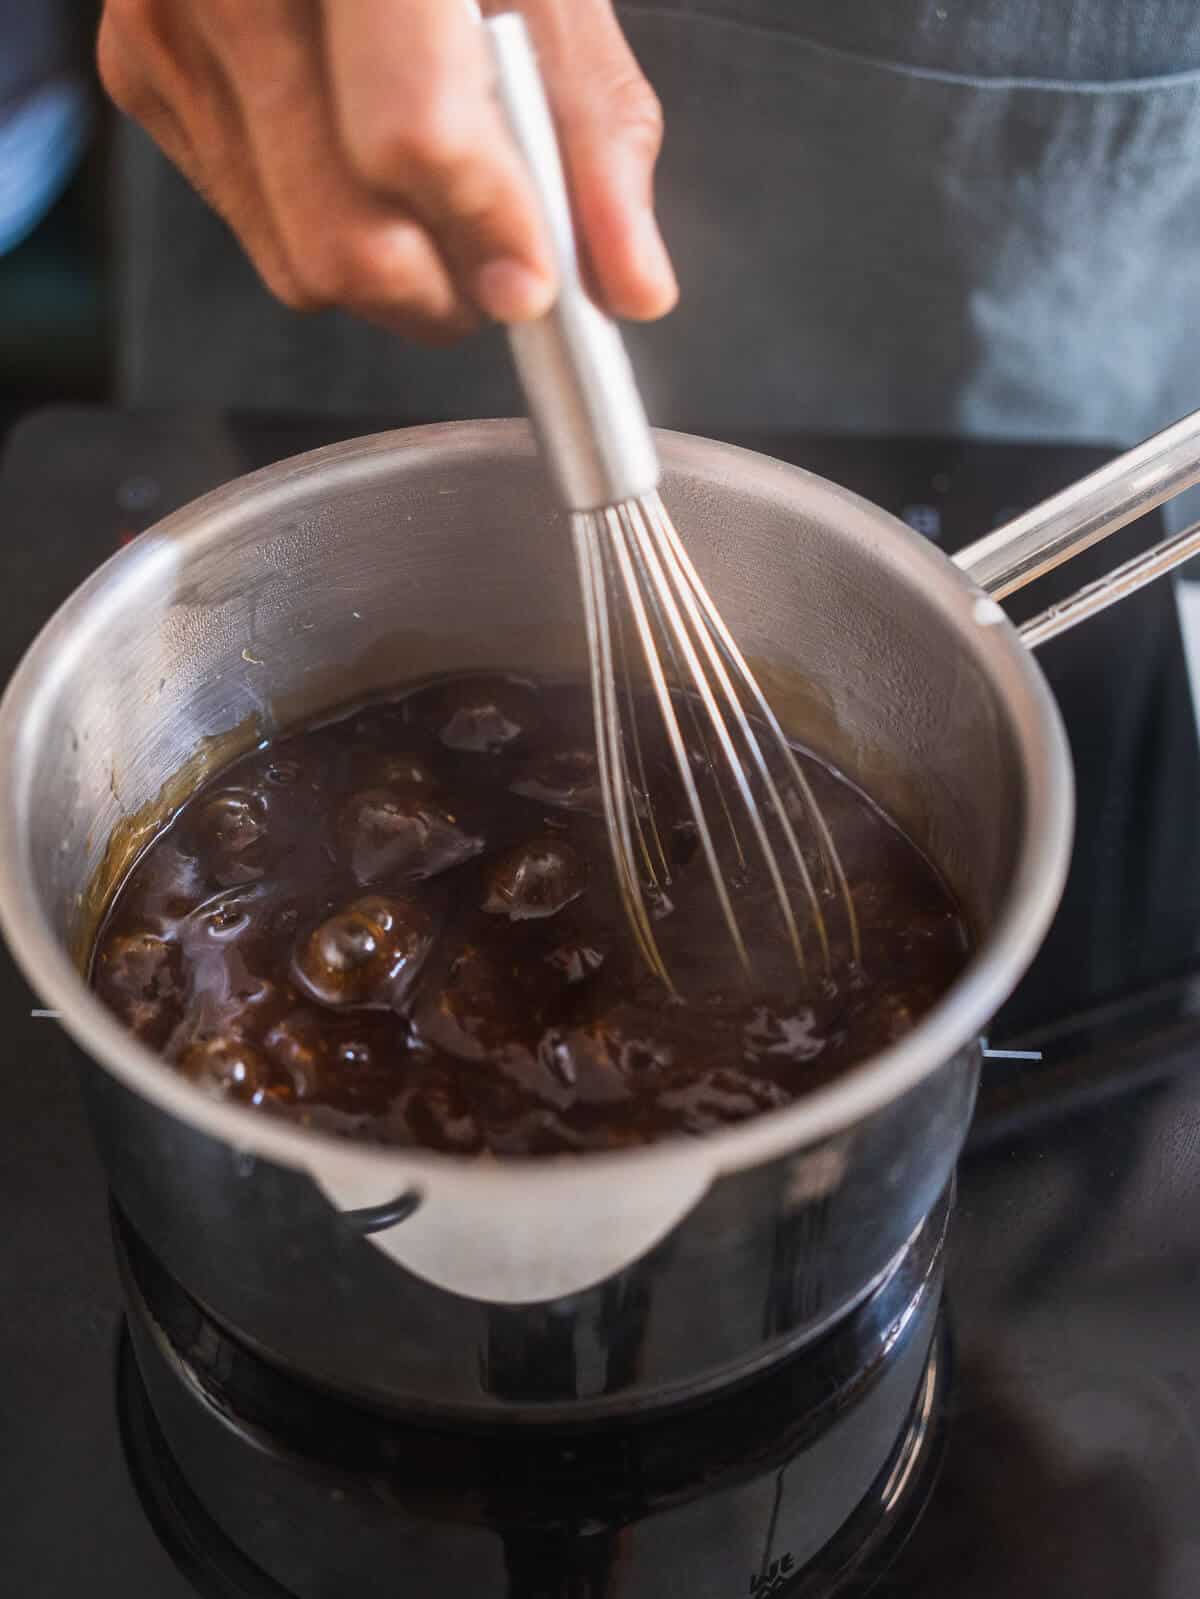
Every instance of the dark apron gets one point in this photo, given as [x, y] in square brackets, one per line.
[892, 215]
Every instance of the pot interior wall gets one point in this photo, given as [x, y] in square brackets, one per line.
[296, 592]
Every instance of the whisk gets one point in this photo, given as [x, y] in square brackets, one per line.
[643, 596]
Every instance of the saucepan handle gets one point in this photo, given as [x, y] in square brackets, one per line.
[1080, 516]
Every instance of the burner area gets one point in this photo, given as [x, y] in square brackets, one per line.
[801, 1482]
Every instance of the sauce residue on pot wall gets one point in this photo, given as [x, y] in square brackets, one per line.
[137, 829]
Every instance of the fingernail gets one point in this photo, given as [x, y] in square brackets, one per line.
[509, 291]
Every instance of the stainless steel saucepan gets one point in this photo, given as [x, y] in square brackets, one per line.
[545, 1288]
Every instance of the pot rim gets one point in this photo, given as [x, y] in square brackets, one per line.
[952, 1025]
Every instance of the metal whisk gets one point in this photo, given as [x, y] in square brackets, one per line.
[641, 593]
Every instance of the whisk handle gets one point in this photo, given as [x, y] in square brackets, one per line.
[572, 363]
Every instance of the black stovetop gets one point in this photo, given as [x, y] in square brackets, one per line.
[1073, 1462]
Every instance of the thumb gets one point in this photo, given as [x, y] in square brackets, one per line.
[610, 127]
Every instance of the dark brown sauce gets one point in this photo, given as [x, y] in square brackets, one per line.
[403, 926]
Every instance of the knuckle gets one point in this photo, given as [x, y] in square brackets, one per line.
[421, 149]
[308, 283]
[322, 281]
[619, 105]
[378, 150]
[237, 33]
[467, 194]
[629, 106]
[441, 128]
[375, 268]
[428, 143]
[134, 16]
[637, 111]
[393, 259]
[365, 268]
[122, 84]
[290, 290]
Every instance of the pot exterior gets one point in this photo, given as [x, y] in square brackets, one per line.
[628, 1279]
[770, 1258]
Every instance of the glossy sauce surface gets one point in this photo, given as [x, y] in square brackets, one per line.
[403, 926]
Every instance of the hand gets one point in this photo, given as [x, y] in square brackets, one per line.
[355, 149]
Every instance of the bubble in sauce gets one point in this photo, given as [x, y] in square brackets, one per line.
[283, 773]
[228, 1066]
[535, 880]
[227, 830]
[367, 954]
[231, 821]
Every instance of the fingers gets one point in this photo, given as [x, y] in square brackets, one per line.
[356, 149]
[161, 76]
[410, 82]
[344, 246]
[237, 98]
[610, 124]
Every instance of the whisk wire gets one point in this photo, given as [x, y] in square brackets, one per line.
[660, 876]
[609, 755]
[655, 564]
[662, 693]
[835, 874]
[687, 584]
[668, 643]
[635, 573]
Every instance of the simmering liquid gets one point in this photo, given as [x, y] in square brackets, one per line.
[403, 926]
